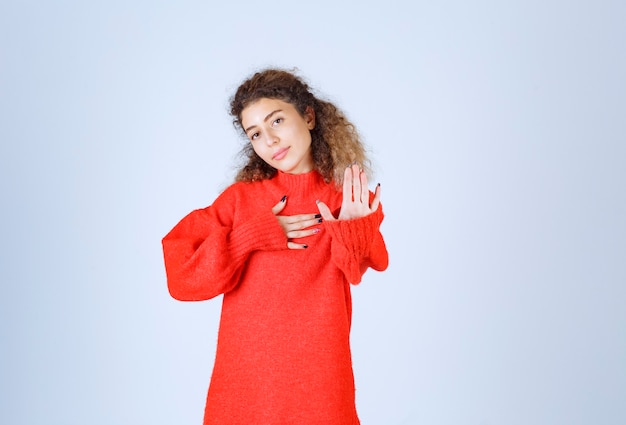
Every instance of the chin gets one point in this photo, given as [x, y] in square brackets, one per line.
[293, 168]
[286, 169]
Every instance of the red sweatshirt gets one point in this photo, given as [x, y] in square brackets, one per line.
[283, 350]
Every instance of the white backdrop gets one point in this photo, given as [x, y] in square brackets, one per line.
[498, 133]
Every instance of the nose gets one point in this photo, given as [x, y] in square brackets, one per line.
[270, 138]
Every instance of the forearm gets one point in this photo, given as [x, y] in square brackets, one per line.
[204, 259]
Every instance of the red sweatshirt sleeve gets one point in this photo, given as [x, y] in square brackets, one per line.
[205, 253]
[358, 244]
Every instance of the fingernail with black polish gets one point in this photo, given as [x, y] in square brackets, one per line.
[305, 246]
[320, 220]
[283, 199]
[318, 215]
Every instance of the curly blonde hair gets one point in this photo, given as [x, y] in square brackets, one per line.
[335, 142]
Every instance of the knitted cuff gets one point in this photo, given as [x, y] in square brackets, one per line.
[355, 235]
[263, 232]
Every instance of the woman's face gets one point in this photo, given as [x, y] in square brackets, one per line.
[279, 134]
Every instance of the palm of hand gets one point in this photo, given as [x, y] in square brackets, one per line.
[356, 198]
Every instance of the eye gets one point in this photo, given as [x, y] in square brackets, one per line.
[254, 136]
[277, 121]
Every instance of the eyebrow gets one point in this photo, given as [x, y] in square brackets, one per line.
[264, 120]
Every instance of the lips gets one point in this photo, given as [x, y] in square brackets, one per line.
[280, 154]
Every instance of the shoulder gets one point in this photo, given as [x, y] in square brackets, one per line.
[238, 189]
[230, 194]
[239, 194]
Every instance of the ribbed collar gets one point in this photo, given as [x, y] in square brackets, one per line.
[305, 182]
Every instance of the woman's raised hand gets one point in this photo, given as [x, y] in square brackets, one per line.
[296, 226]
[356, 197]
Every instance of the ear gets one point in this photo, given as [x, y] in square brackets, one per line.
[309, 117]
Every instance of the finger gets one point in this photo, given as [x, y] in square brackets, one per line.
[280, 205]
[365, 193]
[376, 200]
[347, 184]
[299, 229]
[294, 228]
[301, 225]
[356, 183]
[302, 233]
[293, 245]
[325, 211]
[305, 220]
[301, 221]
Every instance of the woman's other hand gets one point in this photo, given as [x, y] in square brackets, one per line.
[296, 226]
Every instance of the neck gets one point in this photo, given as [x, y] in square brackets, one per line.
[309, 181]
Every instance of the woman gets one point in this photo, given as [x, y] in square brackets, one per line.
[283, 244]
